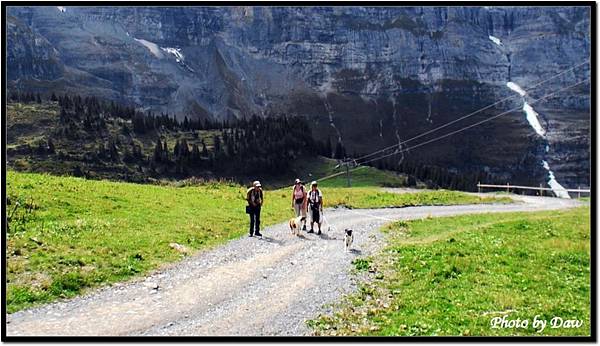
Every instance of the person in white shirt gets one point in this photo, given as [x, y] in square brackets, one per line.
[315, 206]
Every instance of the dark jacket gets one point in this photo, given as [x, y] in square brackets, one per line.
[254, 198]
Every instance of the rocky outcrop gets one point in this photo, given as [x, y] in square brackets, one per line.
[30, 55]
[369, 77]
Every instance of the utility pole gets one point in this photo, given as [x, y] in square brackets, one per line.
[347, 162]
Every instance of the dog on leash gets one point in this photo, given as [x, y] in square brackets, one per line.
[348, 238]
[295, 224]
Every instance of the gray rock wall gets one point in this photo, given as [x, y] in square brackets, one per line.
[367, 76]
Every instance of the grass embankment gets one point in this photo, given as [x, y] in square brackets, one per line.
[365, 176]
[67, 234]
[451, 276]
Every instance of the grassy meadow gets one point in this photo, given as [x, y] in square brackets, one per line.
[451, 276]
[67, 234]
[365, 176]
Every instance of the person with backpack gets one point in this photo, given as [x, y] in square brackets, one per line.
[299, 201]
[315, 203]
[254, 196]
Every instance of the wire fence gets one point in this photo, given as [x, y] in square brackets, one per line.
[541, 190]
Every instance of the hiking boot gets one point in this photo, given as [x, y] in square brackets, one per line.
[258, 234]
[319, 232]
[304, 228]
[311, 231]
[250, 235]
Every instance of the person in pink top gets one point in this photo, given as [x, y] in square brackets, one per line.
[299, 201]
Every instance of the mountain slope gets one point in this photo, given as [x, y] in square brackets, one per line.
[368, 77]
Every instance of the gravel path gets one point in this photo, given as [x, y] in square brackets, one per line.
[249, 286]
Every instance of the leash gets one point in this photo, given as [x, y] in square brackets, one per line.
[329, 225]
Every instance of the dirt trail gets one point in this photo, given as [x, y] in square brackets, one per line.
[248, 286]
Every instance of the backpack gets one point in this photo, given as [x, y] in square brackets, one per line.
[317, 194]
[298, 200]
[252, 193]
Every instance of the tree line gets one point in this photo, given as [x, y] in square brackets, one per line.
[435, 176]
[249, 146]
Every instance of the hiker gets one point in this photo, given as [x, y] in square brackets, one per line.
[254, 196]
[299, 201]
[315, 202]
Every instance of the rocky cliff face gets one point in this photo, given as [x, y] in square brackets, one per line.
[369, 77]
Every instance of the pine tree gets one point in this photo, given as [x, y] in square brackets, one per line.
[41, 148]
[184, 148]
[51, 148]
[176, 151]
[186, 123]
[217, 143]
[157, 156]
[204, 150]
[113, 152]
[125, 130]
[195, 155]
[165, 152]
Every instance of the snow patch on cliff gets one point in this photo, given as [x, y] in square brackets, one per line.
[532, 118]
[152, 47]
[545, 165]
[495, 40]
[516, 88]
[558, 189]
[175, 51]
[530, 113]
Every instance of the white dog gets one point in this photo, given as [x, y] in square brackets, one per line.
[348, 238]
[295, 224]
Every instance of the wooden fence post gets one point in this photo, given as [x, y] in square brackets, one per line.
[541, 191]
[479, 186]
[507, 188]
[579, 192]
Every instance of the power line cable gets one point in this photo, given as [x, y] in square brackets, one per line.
[468, 115]
[360, 165]
[468, 127]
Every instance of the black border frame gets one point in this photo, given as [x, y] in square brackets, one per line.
[462, 3]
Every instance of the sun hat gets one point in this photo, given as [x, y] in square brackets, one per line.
[297, 181]
[313, 183]
[256, 183]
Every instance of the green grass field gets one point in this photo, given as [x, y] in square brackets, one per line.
[67, 234]
[451, 276]
[308, 169]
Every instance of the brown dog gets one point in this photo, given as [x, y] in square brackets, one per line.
[295, 224]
